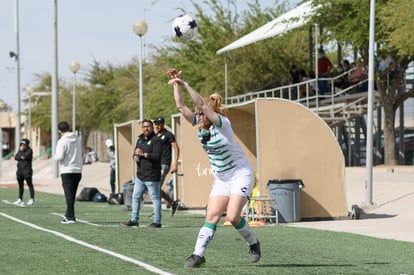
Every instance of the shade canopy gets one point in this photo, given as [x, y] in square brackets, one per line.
[293, 19]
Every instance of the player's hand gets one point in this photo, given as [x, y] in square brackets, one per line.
[176, 81]
[174, 73]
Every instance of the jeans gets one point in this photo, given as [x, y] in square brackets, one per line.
[70, 183]
[153, 188]
[323, 84]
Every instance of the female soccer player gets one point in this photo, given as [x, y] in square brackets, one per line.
[233, 176]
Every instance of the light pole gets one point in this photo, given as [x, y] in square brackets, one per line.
[74, 67]
[140, 28]
[29, 90]
[55, 90]
[16, 55]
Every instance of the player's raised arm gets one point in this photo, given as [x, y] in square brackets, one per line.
[178, 96]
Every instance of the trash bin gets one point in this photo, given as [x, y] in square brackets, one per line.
[287, 196]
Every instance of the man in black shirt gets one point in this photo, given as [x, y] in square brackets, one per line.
[147, 155]
[168, 143]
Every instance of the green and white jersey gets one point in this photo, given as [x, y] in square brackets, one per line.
[224, 153]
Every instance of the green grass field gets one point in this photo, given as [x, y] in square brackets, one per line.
[41, 245]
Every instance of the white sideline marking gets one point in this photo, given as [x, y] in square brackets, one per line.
[9, 202]
[91, 246]
[78, 220]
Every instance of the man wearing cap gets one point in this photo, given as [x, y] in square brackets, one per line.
[168, 143]
[24, 171]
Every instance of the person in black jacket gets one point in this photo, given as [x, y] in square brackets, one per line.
[24, 171]
[147, 155]
[168, 145]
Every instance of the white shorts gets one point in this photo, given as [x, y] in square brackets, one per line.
[240, 183]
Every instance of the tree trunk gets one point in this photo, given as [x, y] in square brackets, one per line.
[85, 136]
[391, 97]
[389, 134]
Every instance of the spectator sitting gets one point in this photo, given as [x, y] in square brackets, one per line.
[357, 74]
[90, 156]
[383, 63]
[340, 80]
[343, 80]
[345, 65]
[308, 89]
[294, 77]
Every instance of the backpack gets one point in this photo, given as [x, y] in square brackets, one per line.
[87, 194]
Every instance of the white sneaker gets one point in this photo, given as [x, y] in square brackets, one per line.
[66, 221]
[19, 202]
[30, 202]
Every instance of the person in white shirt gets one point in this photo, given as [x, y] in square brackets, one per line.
[69, 154]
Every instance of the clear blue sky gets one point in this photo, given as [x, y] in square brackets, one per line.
[88, 30]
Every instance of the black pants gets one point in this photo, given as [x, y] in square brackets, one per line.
[112, 180]
[20, 180]
[165, 168]
[70, 183]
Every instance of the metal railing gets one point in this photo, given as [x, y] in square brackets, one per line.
[335, 107]
[48, 151]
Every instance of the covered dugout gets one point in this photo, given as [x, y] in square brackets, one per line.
[283, 140]
[125, 139]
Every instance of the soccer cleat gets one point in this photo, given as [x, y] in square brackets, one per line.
[254, 251]
[130, 223]
[19, 202]
[30, 202]
[67, 221]
[195, 261]
[154, 225]
[174, 207]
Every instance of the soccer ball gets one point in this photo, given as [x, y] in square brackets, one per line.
[184, 26]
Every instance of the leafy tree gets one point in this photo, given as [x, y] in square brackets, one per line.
[41, 108]
[108, 93]
[396, 25]
[393, 36]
